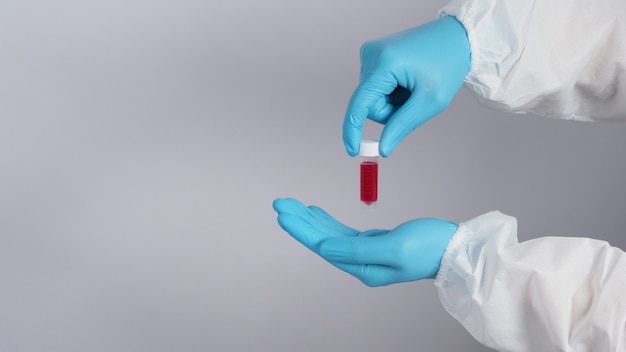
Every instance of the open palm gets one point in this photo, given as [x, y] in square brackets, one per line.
[411, 251]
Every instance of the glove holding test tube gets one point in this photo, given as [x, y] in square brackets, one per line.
[406, 79]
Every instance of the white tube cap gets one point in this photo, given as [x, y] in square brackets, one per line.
[368, 147]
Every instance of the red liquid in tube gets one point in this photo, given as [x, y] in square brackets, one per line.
[368, 153]
[369, 182]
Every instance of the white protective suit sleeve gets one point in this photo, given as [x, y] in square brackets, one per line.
[546, 294]
[559, 58]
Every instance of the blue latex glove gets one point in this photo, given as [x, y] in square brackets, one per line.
[406, 79]
[411, 251]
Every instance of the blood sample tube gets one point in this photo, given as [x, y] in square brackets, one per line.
[368, 153]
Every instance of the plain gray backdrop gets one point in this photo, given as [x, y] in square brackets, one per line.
[142, 143]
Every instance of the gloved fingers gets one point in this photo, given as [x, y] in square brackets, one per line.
[371, 250]
[413, 113]
[387, 106]
[368, 100]
[313, 215]
[331, 223]
[309, 225]
[303, 231]
[289, 206]
[371, 275]
[301, 223]
[381, 109]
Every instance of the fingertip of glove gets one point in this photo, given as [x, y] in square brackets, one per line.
[351, 138]
[281, 205]
[351, 148]
[275, 203]
[386, 150]
[278, 203]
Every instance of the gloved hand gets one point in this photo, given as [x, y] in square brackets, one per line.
[406, 79]
[411, 251]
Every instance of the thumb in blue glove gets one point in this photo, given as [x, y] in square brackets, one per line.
[411, 251]
[406, 79]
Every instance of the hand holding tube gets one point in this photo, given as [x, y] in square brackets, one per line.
[406, 79]
[411, 251]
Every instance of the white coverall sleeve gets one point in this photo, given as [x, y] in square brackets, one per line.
[546, 294]
[559, 58]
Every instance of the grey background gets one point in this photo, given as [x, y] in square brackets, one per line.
[142, 143]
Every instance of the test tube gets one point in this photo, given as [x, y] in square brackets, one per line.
[368, 153]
